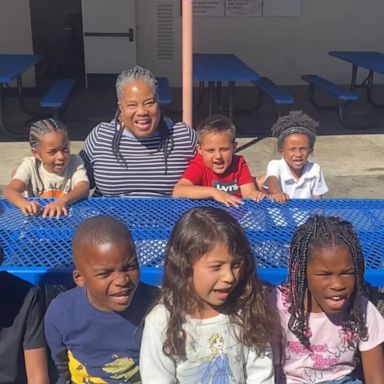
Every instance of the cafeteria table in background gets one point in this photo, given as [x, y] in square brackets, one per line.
[216, 68]
[371, 60]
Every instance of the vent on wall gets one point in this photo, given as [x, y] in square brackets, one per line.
[165, 30]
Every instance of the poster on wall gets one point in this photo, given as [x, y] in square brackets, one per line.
[246, 8]
[209, 8]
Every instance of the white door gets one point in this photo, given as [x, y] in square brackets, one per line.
[109, 28]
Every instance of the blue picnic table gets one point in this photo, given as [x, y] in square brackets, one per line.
[39, 249]
[218, 67]
[371, 60]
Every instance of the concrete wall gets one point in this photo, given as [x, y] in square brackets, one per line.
[15, 31]
[282, 48]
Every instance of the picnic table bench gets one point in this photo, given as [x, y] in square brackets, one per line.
[342, 96]
[57, 96]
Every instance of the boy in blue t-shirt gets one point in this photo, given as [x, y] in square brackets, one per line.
[94, 330]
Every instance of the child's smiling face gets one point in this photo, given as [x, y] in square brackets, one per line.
[217, 150]
[295, 149]
[110, 272]
[53, 151]
[330, 278]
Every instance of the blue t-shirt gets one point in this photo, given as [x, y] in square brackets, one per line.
[89, 344]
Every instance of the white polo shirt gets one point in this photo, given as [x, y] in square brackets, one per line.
[311, 182]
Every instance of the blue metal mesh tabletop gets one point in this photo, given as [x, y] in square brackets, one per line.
[35, 246]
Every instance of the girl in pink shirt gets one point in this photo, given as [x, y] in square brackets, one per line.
[324, 313]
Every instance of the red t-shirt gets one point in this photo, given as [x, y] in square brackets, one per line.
[237, 174]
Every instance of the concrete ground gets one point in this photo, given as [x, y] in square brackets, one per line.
[353, 165]
[352, 160]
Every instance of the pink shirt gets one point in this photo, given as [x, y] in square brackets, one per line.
[332, 350]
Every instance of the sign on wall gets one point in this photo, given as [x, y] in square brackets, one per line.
[246, 8]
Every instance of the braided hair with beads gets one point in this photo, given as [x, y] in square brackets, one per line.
[37, 130]
[323, 232]
[166, 139]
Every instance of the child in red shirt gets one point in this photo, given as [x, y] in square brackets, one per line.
[216, 172]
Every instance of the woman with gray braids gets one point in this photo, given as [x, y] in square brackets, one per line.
[52, 172]
[293, 176]
[140, 152]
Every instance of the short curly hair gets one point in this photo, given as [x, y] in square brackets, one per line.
[295, 122]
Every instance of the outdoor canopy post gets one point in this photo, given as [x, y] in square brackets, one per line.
[187, 20]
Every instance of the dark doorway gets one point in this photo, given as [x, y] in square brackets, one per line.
[57, 35]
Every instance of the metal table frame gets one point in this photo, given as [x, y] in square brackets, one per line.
[12, 66]
[371, 60]
[215, 68]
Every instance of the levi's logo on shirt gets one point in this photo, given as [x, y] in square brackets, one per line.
[229, 186]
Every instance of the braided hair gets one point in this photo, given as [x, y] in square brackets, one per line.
[294, 122]
[323, 232]
[166, 139]
[37, 130]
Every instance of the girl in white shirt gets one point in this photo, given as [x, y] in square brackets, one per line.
[211, 323]
[294, 176]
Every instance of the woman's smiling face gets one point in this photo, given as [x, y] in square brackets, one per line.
[140, 112]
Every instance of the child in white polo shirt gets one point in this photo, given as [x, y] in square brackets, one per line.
[293, 176]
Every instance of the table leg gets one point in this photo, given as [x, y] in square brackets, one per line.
[2, 124]
[369, 92]
[21, 101]
[200, 97]
[2, 121]
[353, 79]
[231, 92]
[211, 85]
[35, 115]
[218, 90]
[201, 89]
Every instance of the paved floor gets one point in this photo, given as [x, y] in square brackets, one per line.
[352, 161]
[353, 165]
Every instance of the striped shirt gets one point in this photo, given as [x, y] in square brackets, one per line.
[141, 170]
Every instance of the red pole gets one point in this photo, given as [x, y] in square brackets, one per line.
[187, 46]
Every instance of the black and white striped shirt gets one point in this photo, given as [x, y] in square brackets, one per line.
[142, 171]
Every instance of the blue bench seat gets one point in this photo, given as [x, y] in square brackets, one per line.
[330, 88]
[58, 94]
[343, 96]
[164, 90]
[276, 93]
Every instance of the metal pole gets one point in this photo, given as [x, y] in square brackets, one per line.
[187, 45]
